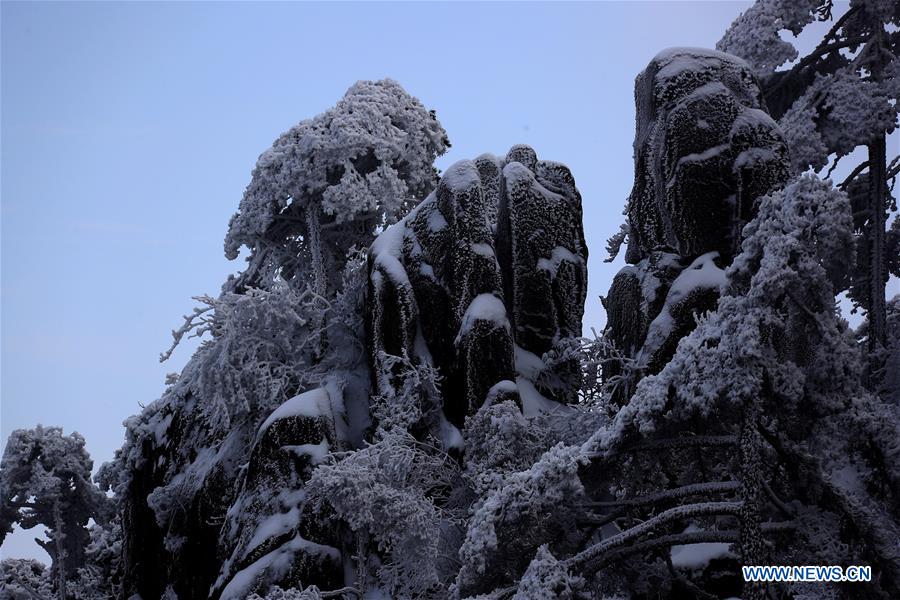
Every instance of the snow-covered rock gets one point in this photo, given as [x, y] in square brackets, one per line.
[705, 150]
[492, 263]
[271, 537]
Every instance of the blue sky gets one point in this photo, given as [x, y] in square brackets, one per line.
[129, 132]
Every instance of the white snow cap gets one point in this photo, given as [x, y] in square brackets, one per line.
[485, 307]
[674, 61]
[314, 403]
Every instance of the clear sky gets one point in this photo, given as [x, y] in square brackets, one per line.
[129, 132]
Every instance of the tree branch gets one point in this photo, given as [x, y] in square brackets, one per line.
[677, 513]
[813, 57]
[712, 487]
[853, 174]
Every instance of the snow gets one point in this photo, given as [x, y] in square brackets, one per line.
[314, 403]
[701, 156]
[697, 556]
[848, 479]
[436, 221]
[678, 60]
[501, 387]
[712, 88]
[515, 172]
[557, 256]
[160, 429]
[483, 249]
[273, 526]
[484, 307]
[753, 157]
[451, 437]
[753, 117]
[386, 251]
[528, 364]
[427, 270]
[316, 452]
[278, 562]
[533, 402]
[461, 175]
[700, 274]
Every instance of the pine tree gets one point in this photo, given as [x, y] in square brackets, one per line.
[841, 96]
[330, 182]
[45, 479]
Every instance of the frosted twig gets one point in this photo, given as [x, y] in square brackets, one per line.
[196, 322]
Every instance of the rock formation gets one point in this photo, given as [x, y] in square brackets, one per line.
[482, 279]
[705, 149]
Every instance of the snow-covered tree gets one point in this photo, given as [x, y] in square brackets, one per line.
[330, 182]
[45, 478]
[397, 498]
[841, 96]
[291, 322]
[100, 577]
[776, 358]
[24, 579]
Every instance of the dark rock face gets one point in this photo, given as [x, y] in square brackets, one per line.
[481, 279]
[272, 540]
[243, 527]
[705, 150]
[177, 550]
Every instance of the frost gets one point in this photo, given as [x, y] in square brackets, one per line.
[316, 452]
[274, 564]
[754, 34]
[483, 308]
[546, 577]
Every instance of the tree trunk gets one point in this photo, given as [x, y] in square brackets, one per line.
[60, 552]
[320, 283]
[751, 542]
[314, 230]
[877, 206]
[877, 168]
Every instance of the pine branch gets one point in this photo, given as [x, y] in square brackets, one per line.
[597, 551]
[731, 536]
[853, 174]
[727, 536]
[823, 48]
[876, 532]
[779, 504]
[713, 487]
